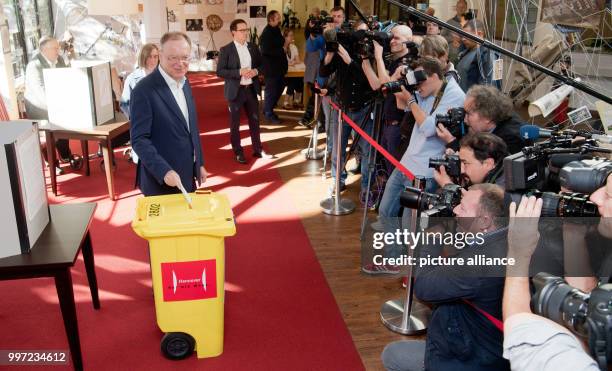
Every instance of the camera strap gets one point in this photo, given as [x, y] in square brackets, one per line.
[496, 322]
[438, 97]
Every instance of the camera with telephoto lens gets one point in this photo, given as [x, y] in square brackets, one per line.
[453, 121]
[585, 176]
[451, 163]
[411, 80]
[319, 23]
[566, 204]
[587, 314]
[432, 204]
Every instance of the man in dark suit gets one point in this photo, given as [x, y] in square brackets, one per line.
[274, 64]
[35, 98]
[164, 127]
[238, 64]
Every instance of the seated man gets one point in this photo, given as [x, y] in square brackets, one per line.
[488, 110]
[482, 156]
[35, 98]
[466, 300]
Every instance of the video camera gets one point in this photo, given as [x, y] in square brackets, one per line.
[452, 164]
[588, 315]
[432, 204]
[319, 23]
[585, 176]
[533, 166]
[453, 121]
[411, 80]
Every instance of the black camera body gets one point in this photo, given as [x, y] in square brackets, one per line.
[364, 45]
[432, 204]
[319, 23]
[588, 315]
[453, 121]
[411, 80]
[452, 164]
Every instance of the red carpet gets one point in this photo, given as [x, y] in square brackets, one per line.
[279, 311]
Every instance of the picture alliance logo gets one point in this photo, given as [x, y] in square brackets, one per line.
[189, 280]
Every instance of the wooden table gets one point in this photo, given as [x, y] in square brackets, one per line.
[103, 134]
[54, 253]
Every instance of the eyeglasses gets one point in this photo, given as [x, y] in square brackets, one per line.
[244, 30]
[182, 59]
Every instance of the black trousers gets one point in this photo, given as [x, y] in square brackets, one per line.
[274, 90]
[248, 99]
[63, 148]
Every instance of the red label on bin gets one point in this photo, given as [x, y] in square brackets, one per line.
[189, 280]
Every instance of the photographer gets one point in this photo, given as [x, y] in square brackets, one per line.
[532, 342]
[354, 95]
[435, 95]
[391, 136]
[488, 110]
[481, 156]
[460, 336]
[436, 46]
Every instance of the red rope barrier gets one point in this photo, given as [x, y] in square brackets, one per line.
[372, 142]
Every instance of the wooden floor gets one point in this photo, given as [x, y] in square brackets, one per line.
[335, 240]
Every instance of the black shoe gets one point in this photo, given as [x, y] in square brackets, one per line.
[304, 123]
[263, 155]
[76, 162]
[240, 158]
[272, 118]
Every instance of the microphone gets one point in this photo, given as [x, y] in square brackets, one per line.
[532, 132]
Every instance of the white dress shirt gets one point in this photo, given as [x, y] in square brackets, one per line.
[51, 64]
[176, 87]
[245, 61]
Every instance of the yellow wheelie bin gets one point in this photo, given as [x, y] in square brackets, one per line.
[188, 267]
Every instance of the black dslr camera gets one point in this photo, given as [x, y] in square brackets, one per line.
[588, 315]
[364, 46]
[452, 163]
[411, 80]
[453, 121]
[319, 23]
[432, 204]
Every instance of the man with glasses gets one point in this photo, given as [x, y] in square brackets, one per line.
[238, 65]
[488, 110]
[164, 126]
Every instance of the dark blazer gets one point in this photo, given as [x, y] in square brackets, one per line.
[510, 131]
[271, 43]
[228, 68]
[160, 137]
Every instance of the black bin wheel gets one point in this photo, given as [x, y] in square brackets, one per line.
[177, 345]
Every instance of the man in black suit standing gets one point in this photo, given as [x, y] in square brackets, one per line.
[238, 64]
[274, 65]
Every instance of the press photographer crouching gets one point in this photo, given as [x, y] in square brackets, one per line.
[459, 335]
[402, 51]
[433, 96]
[533, 342]
[486, 109]
[354, 94]
[480, 160]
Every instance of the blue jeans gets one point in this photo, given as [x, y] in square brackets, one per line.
[357, 117]
[391, 139]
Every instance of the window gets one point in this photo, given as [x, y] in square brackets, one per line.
[28, 21]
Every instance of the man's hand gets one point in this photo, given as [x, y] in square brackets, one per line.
[441, 177]
[251, 73]
[323, 92]
[342, 53]
[397, 74]
[444, 134]
[523, 235]
[244, 72]
[172, 179]
[203, 176]
[404, 94]
[378, 50]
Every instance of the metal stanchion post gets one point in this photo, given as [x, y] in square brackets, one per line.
[405, 316]
[335, 205]
[311, 152]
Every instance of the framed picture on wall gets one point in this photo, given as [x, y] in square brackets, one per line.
[257, 11]
[194, 25]
[6, 38]
[242, 7]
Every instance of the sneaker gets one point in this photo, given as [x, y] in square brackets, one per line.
[379, 269]
[303, 123]
[332, 188]
[377, 226]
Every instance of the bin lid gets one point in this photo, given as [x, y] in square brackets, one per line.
[170, 215]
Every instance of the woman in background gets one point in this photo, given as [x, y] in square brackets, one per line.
[295, 85]
[147, 62]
